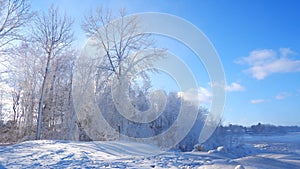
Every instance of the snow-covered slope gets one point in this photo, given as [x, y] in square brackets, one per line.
[66, 154]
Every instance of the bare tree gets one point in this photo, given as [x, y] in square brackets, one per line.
[13, 15]
[53, 33]
[120, 40]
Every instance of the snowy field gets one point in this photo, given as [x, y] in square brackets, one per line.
[261, 152]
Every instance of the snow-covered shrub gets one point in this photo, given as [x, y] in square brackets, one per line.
[222, 149]
[239, 167]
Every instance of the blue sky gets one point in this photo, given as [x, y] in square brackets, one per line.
[257, 41]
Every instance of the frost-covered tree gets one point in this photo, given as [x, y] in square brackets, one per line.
[25, 82]
[60, 114]
[13, 15]
[121, 59]
[53, 34]
[121, 43]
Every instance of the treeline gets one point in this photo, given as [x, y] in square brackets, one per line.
[37, 64]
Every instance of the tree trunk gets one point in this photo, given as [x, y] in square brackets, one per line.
[41, 101]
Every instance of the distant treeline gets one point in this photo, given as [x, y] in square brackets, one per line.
[260, 129]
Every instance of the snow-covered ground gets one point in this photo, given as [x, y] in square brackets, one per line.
[257, 152]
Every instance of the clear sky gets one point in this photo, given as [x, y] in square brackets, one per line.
[258, 42]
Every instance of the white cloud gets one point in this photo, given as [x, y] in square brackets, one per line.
[286, 51]
[258, 57]
[282, 96]
[235, 87]
[266, 62]
[204, 95]
[201, 95]
[258, 101]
